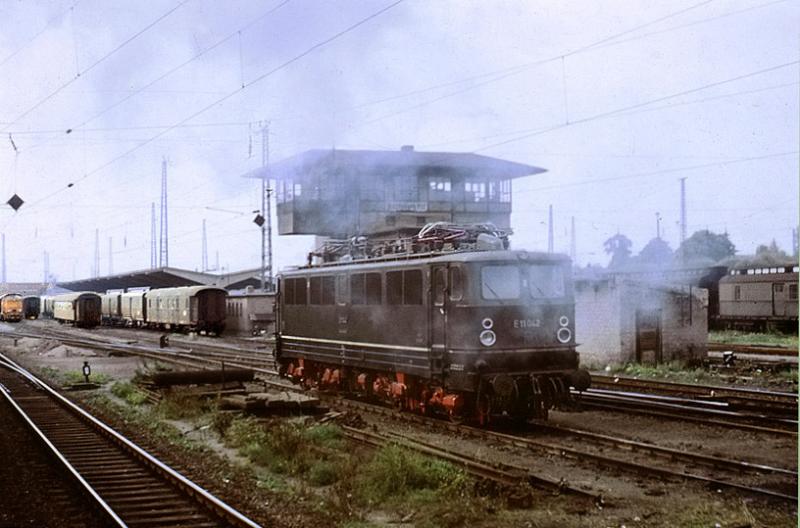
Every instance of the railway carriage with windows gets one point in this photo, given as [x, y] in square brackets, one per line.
[31, 306]
[81, 309]
[759, 299]
[191, 308]
[471, 334]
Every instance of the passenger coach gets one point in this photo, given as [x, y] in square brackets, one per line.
[80, 309]
[472, 334]
[191, 308]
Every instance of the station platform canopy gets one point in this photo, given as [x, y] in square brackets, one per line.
[164, 278]
[149, 278]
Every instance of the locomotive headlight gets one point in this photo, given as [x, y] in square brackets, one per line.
[487, 323]
[564, 335]
[488, 338]
[563, 320]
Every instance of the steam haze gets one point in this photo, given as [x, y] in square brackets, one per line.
[420, 73]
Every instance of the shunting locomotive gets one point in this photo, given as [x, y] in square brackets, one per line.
[447, 322]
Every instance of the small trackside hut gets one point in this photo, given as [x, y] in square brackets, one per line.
[471, 334]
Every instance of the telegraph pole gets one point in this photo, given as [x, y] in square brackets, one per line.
[658, 225]
[204, 260]
[683, 210]
[550, 230]
[4, 258]
[96, 253]
[110, 257]
[163, 257]
[266, 210]
[573, 253]
[153, 252]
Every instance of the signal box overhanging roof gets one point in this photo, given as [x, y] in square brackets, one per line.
[332, 161]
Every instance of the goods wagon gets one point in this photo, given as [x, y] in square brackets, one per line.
[80, 309]
[188, 308]
[30, 307]
[469, 334]
[11, 307]
[759, 299]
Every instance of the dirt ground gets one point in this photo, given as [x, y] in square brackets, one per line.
[631, 500]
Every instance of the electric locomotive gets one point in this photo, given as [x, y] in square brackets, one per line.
[469, 333]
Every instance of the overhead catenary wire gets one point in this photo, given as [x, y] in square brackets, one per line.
[256, 80]
[38, 34]
[92, 66]
[174, 69]
[537, 132]
[504, 73]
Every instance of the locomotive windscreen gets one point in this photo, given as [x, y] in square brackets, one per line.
[506, 282]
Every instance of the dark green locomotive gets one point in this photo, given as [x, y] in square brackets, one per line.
[472, 334]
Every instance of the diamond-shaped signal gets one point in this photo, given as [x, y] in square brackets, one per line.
[259, 220]
[15, 202]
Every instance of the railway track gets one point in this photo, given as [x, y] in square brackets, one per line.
[773, 411]
[213, 356]
[762, 350]
[128, 485]
[660, 461]
[198, 360]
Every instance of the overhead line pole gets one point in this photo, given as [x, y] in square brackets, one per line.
[266, 211]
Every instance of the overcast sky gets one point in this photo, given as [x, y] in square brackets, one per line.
[618, 100]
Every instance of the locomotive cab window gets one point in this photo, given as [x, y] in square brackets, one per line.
[737, 293]
[545, 281]
[500, 282]
[793, 292]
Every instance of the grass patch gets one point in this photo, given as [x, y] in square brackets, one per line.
[731, 337]
[177, 406]
[394, 473]
[672, 370]
[128, 392]
[76, 376]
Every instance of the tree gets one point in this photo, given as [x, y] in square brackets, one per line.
[657, 251]
[705, 246]
[772, 254]
[619, 247]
